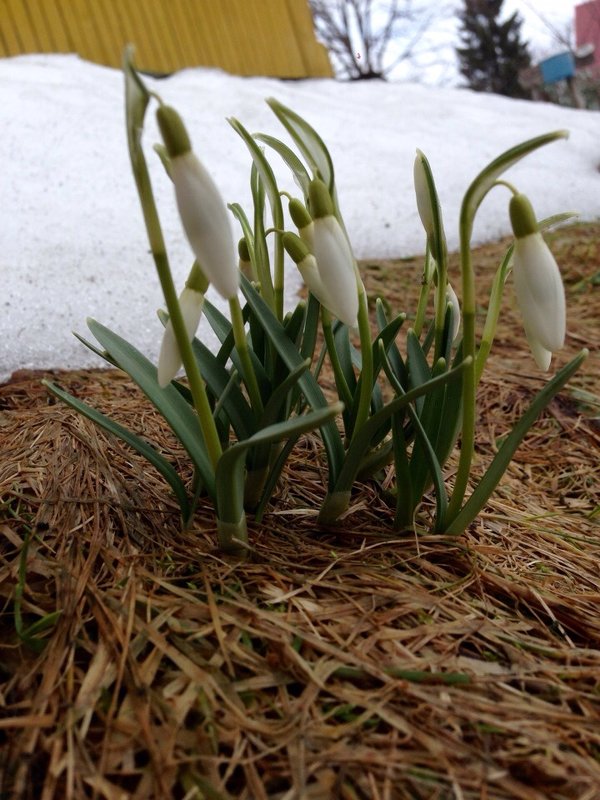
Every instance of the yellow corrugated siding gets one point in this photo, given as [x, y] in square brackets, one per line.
[244, 37]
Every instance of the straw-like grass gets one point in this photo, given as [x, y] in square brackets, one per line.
[351, 663]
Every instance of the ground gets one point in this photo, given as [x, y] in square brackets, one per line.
[354, 662]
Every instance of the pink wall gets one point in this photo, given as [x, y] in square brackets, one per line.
[587, 26]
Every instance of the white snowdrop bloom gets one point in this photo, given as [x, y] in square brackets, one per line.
[203, 213]
[331, 274]
[169, 359]
[422, 194]
[538, 284]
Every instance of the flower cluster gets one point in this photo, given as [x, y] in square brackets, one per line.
[402, 409]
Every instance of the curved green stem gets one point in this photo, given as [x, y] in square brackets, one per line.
[241, 345]
[343, 389]
[424, 294]
[159, 253]
[366, 376]
[469, 376]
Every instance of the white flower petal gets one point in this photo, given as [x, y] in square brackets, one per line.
[206, 223]
[169, 359]
[542, 356]
[540, 291]
[422, 194]
[336, 269]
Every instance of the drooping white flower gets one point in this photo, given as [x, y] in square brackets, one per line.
[169, 359]
[452, 300]
[331, 275]
[203, 213]
[423, 194]
[538, 284]
[191, 301]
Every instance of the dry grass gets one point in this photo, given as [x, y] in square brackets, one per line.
[352, 663]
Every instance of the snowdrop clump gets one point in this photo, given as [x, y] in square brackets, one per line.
[241, 410]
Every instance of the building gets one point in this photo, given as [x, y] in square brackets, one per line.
[587, 35]
[244, 37]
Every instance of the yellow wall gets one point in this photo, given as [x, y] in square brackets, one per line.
[244, 37]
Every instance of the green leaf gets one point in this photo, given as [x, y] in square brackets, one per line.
[290, 158]
[239, 213]
[488, 176]
[224, 332]
[308, 142]
[102, 353]
[134, 441]
[438, 244]
[405, 503]
[231, 466]
[363, 437]
[504, 455]
[219, 382]
[137, 98]
[430, 419]
[418, 368]
[269, 182]
[280, 393]
[292, 358]
[168, 401]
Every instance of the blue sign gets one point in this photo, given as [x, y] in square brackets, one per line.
[558, 67]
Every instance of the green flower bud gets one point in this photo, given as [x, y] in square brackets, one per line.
[522, 216]
[300, 216]
[173, 131]
[295, 247]
[321, 204]
[538, 284]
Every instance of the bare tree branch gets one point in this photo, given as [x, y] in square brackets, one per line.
[369, 38]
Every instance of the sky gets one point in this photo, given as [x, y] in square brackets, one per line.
[72, 241]
[437, 63]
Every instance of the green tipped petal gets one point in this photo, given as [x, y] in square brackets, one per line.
[173, 131]
[295, 247]
[300, 216]
[522, 216]
[321, 204]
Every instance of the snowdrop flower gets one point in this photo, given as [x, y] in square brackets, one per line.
[331, 274]
[307, 267]
[422, 193]
[203, 213]
[191, 301]
[452, 299]
[538, 284]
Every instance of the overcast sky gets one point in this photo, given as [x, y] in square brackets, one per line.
[541, 20]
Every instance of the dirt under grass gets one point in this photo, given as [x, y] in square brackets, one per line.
[353, 663]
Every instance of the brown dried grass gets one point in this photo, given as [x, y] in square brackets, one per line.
[352, 663]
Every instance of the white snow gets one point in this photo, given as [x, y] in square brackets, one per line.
[72, 238]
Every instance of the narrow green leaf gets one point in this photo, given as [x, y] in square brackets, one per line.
[405, 503]
[168, 401]
[363, 437]
[280, 393]
[290, 158]
[268, 179]
[504, 455]
[488, 176]
[231, 466]
[418, 368]
[239, 213]
[225, 391]
[308, 142]
[134, 441]
[311, 389]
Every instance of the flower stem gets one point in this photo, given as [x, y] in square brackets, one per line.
[159, 253]
[241, 345]
[340, 380]
[366, 376]
[469, 376]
